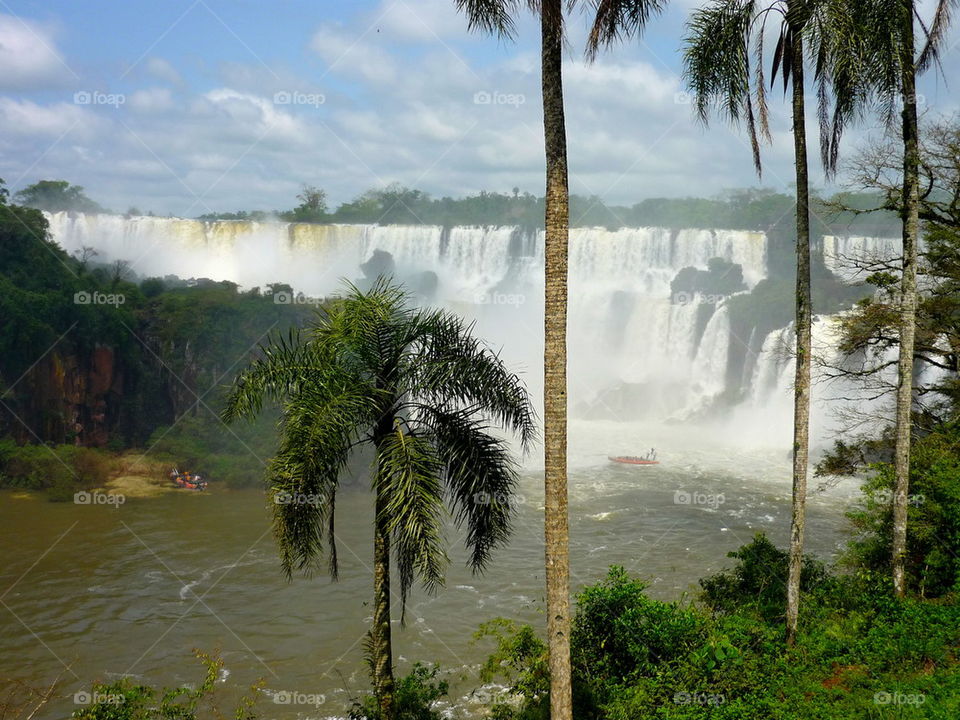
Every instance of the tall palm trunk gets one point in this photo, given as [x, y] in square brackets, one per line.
[908, 298]
[381, 645]
[801, 392]
[556, 526]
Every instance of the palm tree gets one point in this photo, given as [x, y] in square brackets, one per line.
[894, 66]
[424, 393]
[496, 16]
[883, 38]
[721, 39]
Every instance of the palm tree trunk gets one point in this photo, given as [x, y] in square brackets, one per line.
[381, 650]
[381, 646]
[908, 300]
[556, 529]
[801, 392]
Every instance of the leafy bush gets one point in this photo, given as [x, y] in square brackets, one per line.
[618, 632]
[759, 581]
[933, 516]
[415, 697]
[126, 700]
[59, 469]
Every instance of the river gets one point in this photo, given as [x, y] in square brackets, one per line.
[102, 591]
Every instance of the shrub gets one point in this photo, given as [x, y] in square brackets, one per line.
[618, 632]
[933, 522]
[126, 700]
[759, 580]
[415, 696]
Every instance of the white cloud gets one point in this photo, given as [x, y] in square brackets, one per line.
[418, 20]
[398, 106]
[353, 55]
[28, 57]
[163, 70]
[152, 100]
[28, 119]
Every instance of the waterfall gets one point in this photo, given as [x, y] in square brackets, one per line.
[628, 337]
[848, 257]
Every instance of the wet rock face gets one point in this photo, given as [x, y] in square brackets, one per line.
[66, 398]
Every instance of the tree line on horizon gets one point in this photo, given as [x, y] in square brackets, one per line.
[735, 209]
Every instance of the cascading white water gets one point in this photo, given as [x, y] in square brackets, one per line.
[625, 326]
[849, 257]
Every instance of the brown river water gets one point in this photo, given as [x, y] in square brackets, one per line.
[97, 592]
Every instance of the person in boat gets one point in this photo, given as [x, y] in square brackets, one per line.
[652, 455]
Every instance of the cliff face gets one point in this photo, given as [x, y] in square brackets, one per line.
[66, 398]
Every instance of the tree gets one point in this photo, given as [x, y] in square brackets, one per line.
[57, 196]
[871, 332]
[312, 207]
[495, 17]
[887, 51]
[424, 393]
[717, 67]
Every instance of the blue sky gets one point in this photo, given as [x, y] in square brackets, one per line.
[190, 106]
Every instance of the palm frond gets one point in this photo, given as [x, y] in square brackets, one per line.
[318, 431]
[494, 17]
[283, 364]
[447, 365]
[409, 476]
[617, 20]
[942, 16]
[716, 65]
[481, 478]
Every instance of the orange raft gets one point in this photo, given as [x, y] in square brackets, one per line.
[633, 460]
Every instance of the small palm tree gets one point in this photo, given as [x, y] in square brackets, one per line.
[425, 394]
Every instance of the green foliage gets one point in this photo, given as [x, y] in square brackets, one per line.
[201, 443]
[933, 516]
[59, 469]
[417, 387]
[737, 209]
[860, 653]
[126, 700]
[56, 196]
[619, 633]
[415, 697]
[758, 583]
[167, 345]
[312, 207]
[520, 657]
